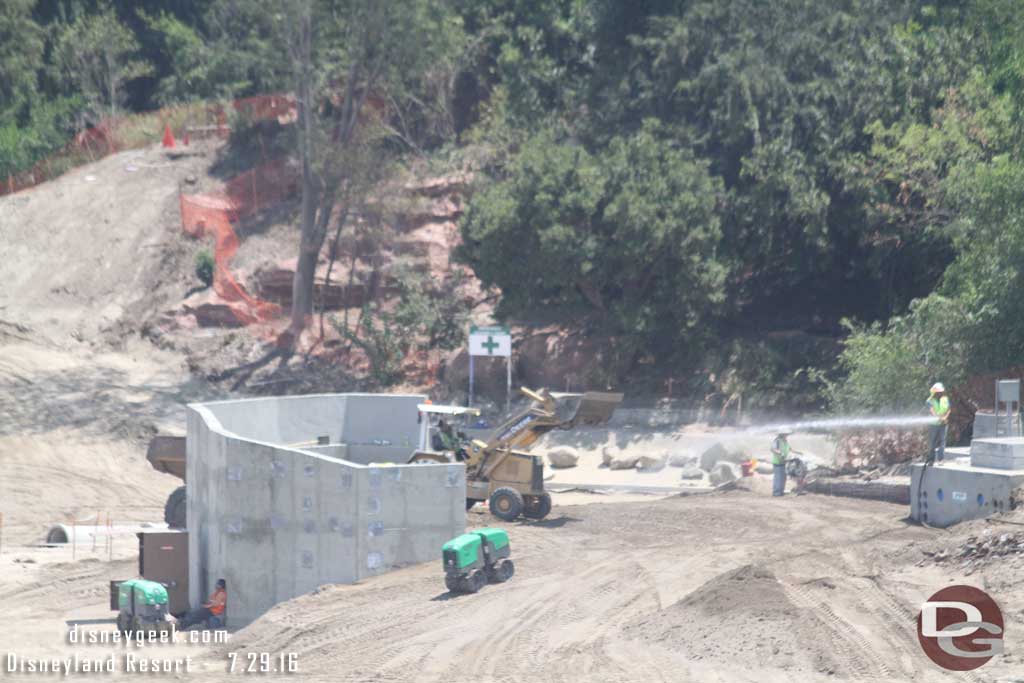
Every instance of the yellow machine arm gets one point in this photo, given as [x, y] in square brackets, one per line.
[545, 413]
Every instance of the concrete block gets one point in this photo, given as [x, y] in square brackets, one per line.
[277, 515]
[1001, 453]
[954, 492]
[988, 426]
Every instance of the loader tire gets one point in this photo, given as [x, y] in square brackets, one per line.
[451, 583]
[506, 504]
[174, 510]
[538, 507]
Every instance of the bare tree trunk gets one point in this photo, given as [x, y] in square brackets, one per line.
[309, 246]
[320, 193]
[330, 266]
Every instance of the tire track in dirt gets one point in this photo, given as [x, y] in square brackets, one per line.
[856, 653]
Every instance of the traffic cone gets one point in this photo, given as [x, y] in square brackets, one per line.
[168, 136]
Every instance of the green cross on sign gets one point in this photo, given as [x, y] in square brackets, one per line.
[490, 345]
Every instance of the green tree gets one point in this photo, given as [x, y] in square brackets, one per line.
[628, 236]
[361, 70]
[188, 59]
[21, 58]
[97, 55]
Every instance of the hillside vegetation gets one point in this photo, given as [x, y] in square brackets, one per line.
[719, 190]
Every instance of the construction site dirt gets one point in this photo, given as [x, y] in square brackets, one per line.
[732, 586]
[725, 585]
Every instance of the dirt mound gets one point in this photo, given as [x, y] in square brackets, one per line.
[741, 615]
[99, 249]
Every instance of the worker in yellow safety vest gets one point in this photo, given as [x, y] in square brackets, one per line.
[781, 451]
[938, 405]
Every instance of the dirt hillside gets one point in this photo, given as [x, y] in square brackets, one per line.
[85, 261]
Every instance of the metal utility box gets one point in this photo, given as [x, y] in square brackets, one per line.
[163, 558]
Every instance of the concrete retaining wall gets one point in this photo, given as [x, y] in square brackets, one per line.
[276, 521]
[954, 492]
[987, 426]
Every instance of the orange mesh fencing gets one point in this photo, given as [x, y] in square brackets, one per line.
[212, 215]
[141, 130]
[201, 215]
[91, 144]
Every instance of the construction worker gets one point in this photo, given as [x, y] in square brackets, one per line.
[444, 438]
[781, 451]
[938, 406]
[211, 613]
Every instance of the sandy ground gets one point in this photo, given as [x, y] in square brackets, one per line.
[724, 587]
[74, 423]
[99, 247]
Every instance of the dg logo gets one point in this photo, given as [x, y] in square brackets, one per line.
[960, 628]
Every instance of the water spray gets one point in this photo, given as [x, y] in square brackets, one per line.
[841, 423]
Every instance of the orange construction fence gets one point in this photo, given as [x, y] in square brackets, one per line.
[140, 130]
[202, 215]
[212, 215]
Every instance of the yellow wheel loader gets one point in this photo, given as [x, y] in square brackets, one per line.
[499, 470]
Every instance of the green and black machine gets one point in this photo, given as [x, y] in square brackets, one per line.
[474, 559]
[142, 606]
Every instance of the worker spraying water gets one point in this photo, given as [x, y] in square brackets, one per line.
[781, 452]
[938, 406]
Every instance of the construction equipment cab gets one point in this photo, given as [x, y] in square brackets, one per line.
[511, 480]
[440, 431]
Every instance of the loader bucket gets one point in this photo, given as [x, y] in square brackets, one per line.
[596, 407]
[167, 454]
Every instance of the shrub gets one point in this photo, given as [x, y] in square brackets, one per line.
[204, 266]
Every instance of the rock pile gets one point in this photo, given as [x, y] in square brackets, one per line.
[880, 447]
[978, 551]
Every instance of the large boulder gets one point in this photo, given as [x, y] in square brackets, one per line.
[736, 455]
[712, 455]
[652, 462]
[723, 473]
[563, 456]
[720, 453]
[623, 461]
[617, 459]
[691, 472]
[682, 459]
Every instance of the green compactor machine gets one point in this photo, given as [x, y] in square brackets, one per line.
[142, 606]
[474, 559]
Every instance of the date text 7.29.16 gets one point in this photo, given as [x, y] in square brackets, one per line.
[263, 663]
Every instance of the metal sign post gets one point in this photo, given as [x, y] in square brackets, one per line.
[494, 341]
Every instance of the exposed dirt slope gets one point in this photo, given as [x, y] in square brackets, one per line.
[98, 249]
[85, 260]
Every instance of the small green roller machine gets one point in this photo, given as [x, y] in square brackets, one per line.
[474, 559]
[142, 606]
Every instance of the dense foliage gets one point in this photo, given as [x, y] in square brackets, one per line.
[711, 183]
[843, 160]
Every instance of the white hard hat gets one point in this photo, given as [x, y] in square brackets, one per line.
[937, 387]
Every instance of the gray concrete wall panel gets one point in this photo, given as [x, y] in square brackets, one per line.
[946, 495]
[276, 520]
